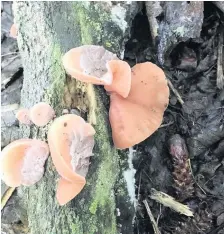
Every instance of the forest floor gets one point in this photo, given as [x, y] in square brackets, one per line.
[194, 175]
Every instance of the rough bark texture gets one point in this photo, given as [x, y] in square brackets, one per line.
[172, 23]
[46, 31]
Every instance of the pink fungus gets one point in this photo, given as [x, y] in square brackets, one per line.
[71, 143]
[41, 114]
[23, 115]
[22, 162]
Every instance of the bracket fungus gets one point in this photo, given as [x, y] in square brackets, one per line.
[96, 65]
[23, 115]
[22, 162]
[88, 64]
[136, 117]
[41, 114]
[71, 143]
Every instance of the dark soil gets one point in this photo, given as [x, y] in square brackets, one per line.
[192, 69]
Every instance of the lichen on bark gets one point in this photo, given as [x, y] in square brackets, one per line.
[46, 31]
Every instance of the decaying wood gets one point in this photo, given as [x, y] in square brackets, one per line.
[46, 31]
[172, 23]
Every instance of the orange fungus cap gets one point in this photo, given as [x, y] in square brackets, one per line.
[88, 63]
[41, 114]
[139, 115]
[23, 115]
[22, 162]
[71, 143]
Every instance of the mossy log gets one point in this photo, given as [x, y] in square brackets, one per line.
[46, 31]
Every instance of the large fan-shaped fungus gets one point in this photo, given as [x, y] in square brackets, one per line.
[71, 143]
[22, 162]
[139, 115]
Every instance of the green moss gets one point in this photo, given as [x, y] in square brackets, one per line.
[108, 44]
[55, 92]
[92, 20]
[93, 207]
[84, 27]
[88, 26]
[75, 227]
[103, 199]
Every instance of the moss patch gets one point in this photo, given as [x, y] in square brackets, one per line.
[90, 21]
[55, 92]
[96, 25]
[103, 200]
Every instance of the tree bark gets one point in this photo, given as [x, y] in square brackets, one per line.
[46, 31]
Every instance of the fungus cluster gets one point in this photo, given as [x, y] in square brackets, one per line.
[138, 99]
[138, 96]
[71, 144]
[22, 161]
[40, 114]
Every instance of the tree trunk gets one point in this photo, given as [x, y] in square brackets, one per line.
[46, 31]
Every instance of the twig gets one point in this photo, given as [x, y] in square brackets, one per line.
[189, 162]
[3, 55]
[160, 212]
[11, 60]
[9, 81]
[139, 185]
[154, 224]
[166, 125]
[175, 92]
[170, 202]
[6, 196]
[220, 76]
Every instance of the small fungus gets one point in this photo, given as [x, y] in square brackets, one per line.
[88, 63]
[41, 114]
[71, 143]
[13, 31]
[22, 162]
[23, 115]
[139, 115]
[121, 72]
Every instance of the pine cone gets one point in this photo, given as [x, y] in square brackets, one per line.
[182, 172]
